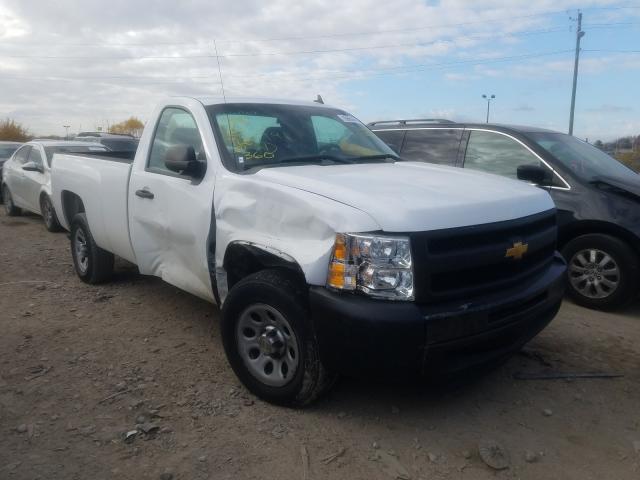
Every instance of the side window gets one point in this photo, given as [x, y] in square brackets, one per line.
[21, 155]
[438, 145]
[175, 127]
[36, 157]
[494, 153]
[393, 138]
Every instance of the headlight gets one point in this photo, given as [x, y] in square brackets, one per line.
[377, 265]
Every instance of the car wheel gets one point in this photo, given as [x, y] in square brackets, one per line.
[92, 263]
[602, 271]
[9, 206]
[49, 214]
[269, 340]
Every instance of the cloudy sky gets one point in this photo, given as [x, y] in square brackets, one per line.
[90, 63]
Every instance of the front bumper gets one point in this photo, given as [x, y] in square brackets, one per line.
[361, 336]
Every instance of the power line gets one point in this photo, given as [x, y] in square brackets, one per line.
[352, 73]
[428, 27]
[333, 35]
[613, 51]
[298, 52]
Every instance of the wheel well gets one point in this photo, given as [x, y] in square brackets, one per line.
[243, 259]
[71, 205]
[587, 227]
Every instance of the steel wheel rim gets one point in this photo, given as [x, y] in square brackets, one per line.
[267, 345]
[81, 250]
[594, 273]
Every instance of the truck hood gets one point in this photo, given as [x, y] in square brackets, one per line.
[416, 196]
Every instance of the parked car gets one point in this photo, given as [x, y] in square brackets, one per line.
[26, 183]
[6, 150]
[597, 197]
[327, 253]
[113, 141]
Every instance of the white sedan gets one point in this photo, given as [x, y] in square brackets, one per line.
[26, 180]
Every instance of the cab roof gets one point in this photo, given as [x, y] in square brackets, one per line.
[207, 101]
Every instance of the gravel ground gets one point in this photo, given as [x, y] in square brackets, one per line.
[80, 366]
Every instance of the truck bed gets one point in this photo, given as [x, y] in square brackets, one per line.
[101, 182]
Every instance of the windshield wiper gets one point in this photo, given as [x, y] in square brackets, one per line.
[382, 156]
[314, 158]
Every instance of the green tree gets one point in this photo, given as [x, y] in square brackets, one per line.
[10, 130]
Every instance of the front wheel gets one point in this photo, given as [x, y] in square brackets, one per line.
[49, 214]
[602, 271]
[9, 206]
[269, 340]
[92, 263]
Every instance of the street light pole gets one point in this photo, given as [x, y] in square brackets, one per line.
[579, 35]
[66, 135]
[488, 99]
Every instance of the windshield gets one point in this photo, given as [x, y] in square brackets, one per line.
[257, 135]
[71, 149]
[584, 160]
[7, 150]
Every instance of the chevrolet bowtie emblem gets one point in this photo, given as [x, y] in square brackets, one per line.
[517, 251]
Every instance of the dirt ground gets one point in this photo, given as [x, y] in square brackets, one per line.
[82, 365]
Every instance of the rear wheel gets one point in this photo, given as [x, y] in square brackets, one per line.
[269, 340]
[92, 263]
[602, 271]
[49, 214]
[9, 206]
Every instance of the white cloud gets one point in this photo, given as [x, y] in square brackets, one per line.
[105, 80]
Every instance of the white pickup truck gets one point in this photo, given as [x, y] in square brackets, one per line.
[326, 252]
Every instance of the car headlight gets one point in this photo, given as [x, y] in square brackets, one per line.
[377, 265]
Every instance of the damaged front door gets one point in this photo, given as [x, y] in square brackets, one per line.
[170, 198]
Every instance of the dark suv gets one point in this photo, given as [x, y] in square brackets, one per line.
[597, 197]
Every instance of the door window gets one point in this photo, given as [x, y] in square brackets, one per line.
[494, 153]
[393, 138]
[36, 157]
[21, 155]
[175, 127]
[436, 145]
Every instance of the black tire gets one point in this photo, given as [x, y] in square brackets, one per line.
[9, 206]
[94, 265]
[281, 291]
[624, 258]
[49, 214]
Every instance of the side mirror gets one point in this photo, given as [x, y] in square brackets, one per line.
[32, 167]
[182, 159]
[534, 174]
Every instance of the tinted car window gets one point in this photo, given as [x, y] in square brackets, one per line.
[7, 150]
[120, 144]
[437, 145]
[494, 153]
[393, 138]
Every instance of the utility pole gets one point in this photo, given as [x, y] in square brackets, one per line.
[66, 135]
[579, 35]
[488, 99]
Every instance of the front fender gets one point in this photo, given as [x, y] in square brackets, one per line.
[295, 223]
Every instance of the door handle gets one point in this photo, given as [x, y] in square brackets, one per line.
[144, 193]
